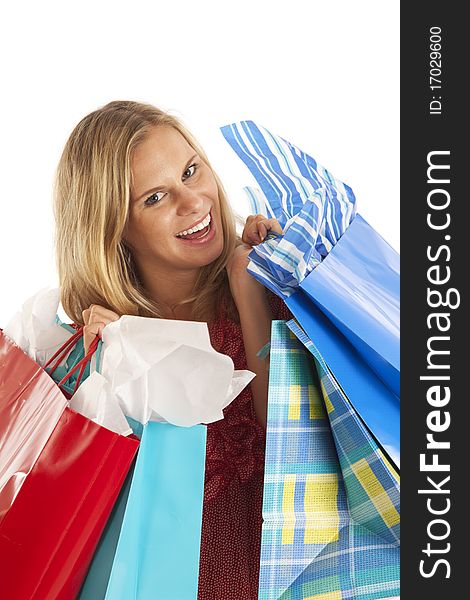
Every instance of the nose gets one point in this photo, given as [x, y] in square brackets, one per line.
[189, 201]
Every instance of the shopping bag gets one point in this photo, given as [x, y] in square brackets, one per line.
[289, 180]
[64, 368]
[97, 577]
[331, 498]
[60, 475]
[157, 555]
[338, 277]
[168, 476]
[154, 554]
[358, 287]
[354, 323]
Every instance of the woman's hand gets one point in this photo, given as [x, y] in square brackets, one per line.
[96, 318]
[257, 228]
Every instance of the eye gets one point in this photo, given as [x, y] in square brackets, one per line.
[154, 198]
[190, 171]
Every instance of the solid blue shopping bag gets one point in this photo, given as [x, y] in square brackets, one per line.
[358, 287]
[375, 403]
[349, 307]
[157, 555]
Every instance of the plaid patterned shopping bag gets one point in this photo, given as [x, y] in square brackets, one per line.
[331, 498]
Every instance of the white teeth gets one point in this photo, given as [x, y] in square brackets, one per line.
[201, 225]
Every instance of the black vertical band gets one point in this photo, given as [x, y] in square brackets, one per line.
[435, 251]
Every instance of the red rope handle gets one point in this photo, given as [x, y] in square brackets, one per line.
[62, 353]
[63, 350]
[81, 364]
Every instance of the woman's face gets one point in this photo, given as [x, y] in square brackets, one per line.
[174, 214]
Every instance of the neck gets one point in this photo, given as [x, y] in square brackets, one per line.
[169, 289]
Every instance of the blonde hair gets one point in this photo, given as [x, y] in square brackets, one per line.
[91, 203]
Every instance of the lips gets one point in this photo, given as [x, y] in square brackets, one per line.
[195, 227]
[200, 237]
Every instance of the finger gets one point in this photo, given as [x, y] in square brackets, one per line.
[254, 217]
[90, 332]
[262, 229]
[274, 225]
[86, 316]
[267, 225]
[245, 236]
[100, 314]
[251, 235]
[250, 232]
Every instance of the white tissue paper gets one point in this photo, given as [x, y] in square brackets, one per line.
[151, 369]
[167, 370]
[95, 400]
[34, 329]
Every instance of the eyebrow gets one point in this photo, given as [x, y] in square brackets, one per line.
[158, 188]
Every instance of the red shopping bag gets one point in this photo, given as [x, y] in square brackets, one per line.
[60, 475]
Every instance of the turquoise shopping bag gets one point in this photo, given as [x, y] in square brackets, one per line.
[157, 555]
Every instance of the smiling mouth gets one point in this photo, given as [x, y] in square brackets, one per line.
[198, 231]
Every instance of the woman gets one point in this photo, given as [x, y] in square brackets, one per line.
[144, 228]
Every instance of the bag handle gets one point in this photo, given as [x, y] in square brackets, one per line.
[81, 364]
[63, 351]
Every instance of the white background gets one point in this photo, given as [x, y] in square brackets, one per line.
[322, 74]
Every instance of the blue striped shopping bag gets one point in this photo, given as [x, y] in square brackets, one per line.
[331, 498]
[336, 274]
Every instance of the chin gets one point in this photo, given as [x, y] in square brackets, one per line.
[202, 254]
[210, 257]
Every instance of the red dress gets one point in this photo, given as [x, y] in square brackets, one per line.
[233, 488]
